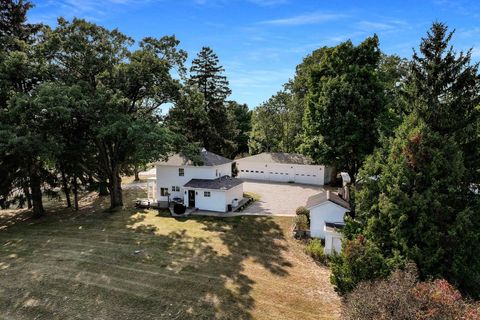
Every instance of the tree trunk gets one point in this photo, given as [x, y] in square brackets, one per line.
[26, 191]
[115, 188]
[75, 192]
[65, 188]
[35, 185]
[135, 172]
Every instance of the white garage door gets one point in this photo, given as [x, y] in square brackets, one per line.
[279, 175]
[258, 174]
[308, 175]
[304, 174]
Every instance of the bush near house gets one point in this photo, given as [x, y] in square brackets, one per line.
[301, 223]
[402, 297]
[361, 260]
[302, 211]
[314, 248]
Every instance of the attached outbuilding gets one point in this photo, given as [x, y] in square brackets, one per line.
[283, 167]
[333, 237]
[213, 195]
[327, 207]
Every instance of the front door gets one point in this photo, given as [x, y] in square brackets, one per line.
[191, 198]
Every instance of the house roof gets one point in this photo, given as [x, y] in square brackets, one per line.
[208, 158]
[278, 157]
[222, 183]
[320, 198]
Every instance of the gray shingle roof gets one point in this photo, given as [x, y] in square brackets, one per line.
[278, 157]
[320, 198]
[222, 183]
[208, 158]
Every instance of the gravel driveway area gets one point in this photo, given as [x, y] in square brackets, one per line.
[279, 199]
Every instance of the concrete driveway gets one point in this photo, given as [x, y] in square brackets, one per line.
[278, 199]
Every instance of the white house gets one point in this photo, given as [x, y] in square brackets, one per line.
[325, 207]
[283, 167]
[208, 186]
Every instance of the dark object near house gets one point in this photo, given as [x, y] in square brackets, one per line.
[179, 208]
[229, 207]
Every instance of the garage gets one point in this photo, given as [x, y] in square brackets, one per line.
[283, 167]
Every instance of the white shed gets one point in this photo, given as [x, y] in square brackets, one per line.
[283, 167]
[333, 237]
[325, 207]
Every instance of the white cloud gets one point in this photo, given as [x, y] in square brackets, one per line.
[311, 18]
[381, 25]
[89, 9]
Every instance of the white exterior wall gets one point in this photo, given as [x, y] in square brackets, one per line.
[167, 176]
[234, 193]
[216, 201]
[306, 174]
[333, 242]
[327, 211]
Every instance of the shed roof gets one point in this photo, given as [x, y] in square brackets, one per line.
[222, 183]
[278, 157]
[208, 158]
[320, 198]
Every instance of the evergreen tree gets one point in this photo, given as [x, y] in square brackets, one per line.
[208, 76]
[343, 104]
[416, 200]
[188, 116]
[22, 151]
[444, 89]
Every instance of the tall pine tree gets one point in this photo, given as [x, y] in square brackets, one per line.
[207, 75]
[416, 201]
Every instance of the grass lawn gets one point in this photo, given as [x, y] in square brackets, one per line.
[135, 264]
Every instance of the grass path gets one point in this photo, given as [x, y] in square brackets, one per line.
[139, 265]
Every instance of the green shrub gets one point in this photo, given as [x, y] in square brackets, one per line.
[360, 260]
[314, 249]
[302, 211]
[301, 222]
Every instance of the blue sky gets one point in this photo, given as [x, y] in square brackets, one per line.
[259, 42]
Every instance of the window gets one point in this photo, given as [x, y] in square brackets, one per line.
[164, 192]
[256, 171]
[206, 194]
[247, 171]
[181, 172]
[216, 172]
[261, 171]
[175, 189]
[242, 170]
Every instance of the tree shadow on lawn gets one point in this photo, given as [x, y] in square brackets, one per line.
[221, 290]
[116, 265]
